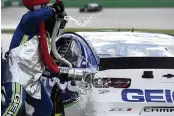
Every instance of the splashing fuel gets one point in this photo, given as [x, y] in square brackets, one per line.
[82, 21]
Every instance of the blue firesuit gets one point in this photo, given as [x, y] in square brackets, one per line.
[15, 93]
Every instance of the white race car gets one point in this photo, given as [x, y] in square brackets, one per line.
[135, 72]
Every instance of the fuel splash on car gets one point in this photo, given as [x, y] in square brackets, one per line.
[84, 87]
[81, 21]
[80, 102]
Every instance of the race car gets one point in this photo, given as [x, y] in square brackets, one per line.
[92, 7]
[134, 73]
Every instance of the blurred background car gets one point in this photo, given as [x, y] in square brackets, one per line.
[91, 7]
[8, 3]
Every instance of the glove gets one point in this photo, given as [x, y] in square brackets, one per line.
[48, 73]
[58, 8]
[63, 22]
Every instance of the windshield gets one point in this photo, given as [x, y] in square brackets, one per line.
[92, 5]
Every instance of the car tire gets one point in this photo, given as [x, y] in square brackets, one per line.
[57, 100]
[85, 10]
[100, 8]
[81, 10]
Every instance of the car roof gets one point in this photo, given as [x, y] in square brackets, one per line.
[129, 37]
[130, 43]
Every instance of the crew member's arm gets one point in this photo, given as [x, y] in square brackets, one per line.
[33, 18]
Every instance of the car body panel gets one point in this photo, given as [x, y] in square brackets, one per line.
[146, 94]
[106, 101]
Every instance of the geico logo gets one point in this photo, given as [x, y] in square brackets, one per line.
[159, 110]
[14, 105]
[148, 95]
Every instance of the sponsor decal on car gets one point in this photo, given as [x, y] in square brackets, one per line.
[121, 109]
[158, 109]
[103, 91]
[148, 95]
[168, 76]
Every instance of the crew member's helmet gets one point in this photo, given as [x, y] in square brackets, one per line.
[30, 3]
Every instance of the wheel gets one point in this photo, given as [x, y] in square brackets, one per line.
[85, 10]
[56, 97]
[81, 10]
[100, 8]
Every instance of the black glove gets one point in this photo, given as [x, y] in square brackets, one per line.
[48, 73]
[63, 22]
[58, 7]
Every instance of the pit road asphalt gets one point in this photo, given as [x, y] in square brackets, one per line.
[144, 18]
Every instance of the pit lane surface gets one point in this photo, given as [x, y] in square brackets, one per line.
[147, 18]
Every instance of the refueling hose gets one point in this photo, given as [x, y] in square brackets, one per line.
[44, 50]
[44, 47]
[75, 74]
[54, 38]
